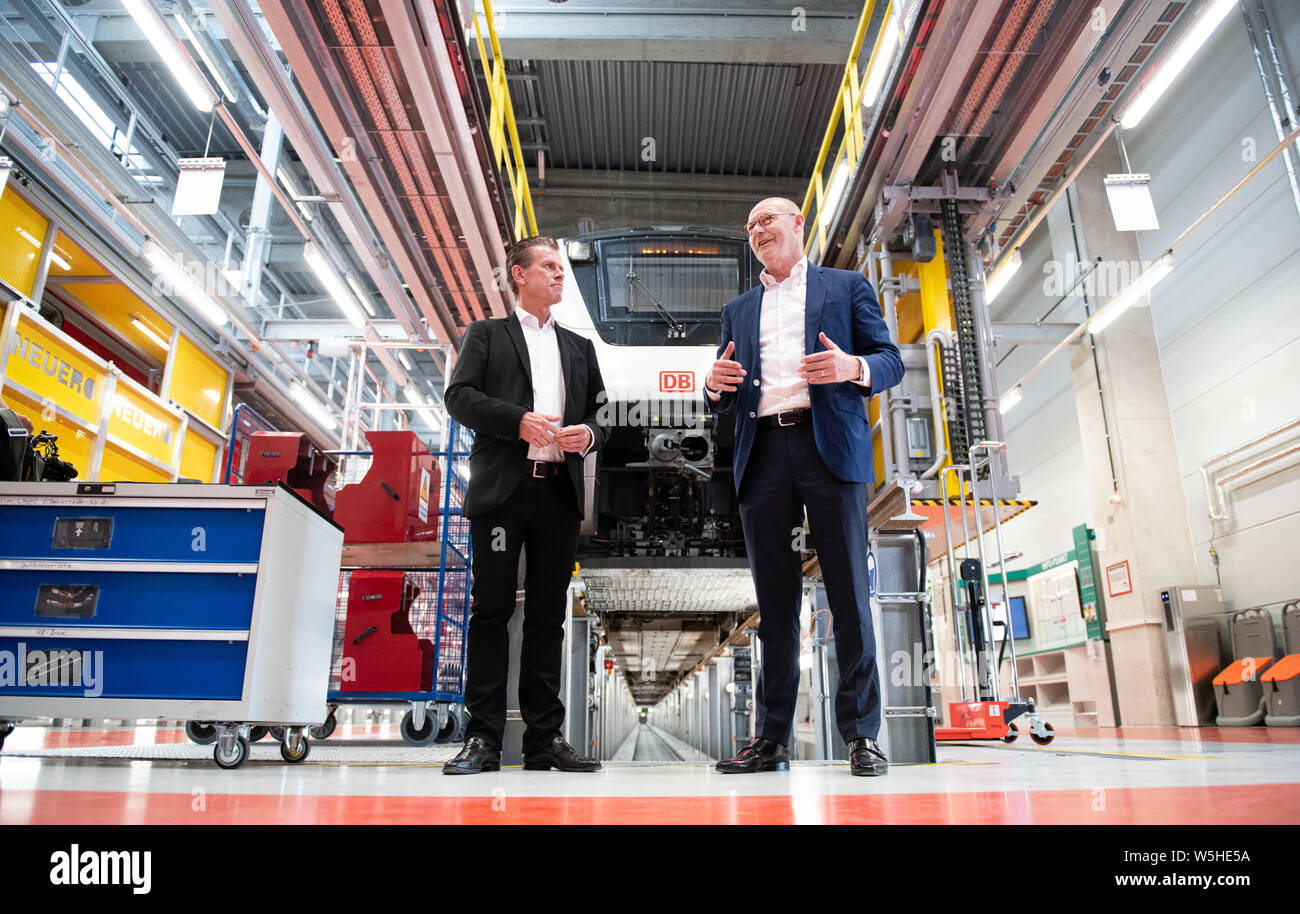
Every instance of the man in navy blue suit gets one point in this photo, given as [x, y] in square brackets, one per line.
[798, 355]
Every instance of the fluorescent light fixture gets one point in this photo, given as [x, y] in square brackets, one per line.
[334, 285]
[884, 59]
[150, 333]
[1010, 399]
[313, 407]
[1002, 276]
[6, 166]
[189, 77]
[1130, 203]
[1171, 66]
[171, 270]
[1135, 290]
[360, 293]
[198, 186]
[406, 363]
[217, 72]
[287, 180]
[413, 396]
[831, 202]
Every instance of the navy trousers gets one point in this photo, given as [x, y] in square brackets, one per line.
[784, 476]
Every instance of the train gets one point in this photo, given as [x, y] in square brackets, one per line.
[650, 300]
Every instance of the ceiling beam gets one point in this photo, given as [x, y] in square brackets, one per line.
[726, 31]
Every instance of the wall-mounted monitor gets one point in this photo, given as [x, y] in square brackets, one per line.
[1019, 618]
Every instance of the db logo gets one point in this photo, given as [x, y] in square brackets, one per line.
[670, 381]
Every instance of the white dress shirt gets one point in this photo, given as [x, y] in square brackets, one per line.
[781, 342]
[548, 376]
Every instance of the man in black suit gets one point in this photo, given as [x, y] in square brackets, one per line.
[530, 390]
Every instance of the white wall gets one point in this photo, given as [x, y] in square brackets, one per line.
[1228, 319]
[1227, 323]
[1042, 431]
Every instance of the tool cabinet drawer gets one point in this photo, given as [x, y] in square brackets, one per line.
[117, 533]
[72, 597]
[121, 668]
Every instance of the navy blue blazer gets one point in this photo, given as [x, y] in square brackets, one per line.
[841, 304]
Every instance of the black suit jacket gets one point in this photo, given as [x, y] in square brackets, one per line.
[491, 388]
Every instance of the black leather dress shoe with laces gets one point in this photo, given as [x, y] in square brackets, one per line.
[759, 755]
[559, 755]
[475, 757]
[865, 758]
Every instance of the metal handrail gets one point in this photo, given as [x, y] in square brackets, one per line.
[501, 121]
[846, 100]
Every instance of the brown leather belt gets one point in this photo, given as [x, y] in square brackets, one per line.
[540, 469]
[787, 418]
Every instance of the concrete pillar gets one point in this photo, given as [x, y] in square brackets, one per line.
[1138, 508]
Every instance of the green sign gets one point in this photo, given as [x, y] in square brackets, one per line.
[1081, 553]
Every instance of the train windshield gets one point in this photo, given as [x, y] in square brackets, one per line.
[689, 279]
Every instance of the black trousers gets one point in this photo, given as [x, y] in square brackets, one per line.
[541, 518]
[784, 476]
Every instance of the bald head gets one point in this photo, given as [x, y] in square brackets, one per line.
[776, 234]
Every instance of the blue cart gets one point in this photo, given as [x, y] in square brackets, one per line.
[439, 614]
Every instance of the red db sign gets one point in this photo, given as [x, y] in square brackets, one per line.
[676, 381]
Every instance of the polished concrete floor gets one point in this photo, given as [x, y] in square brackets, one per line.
[364, 775]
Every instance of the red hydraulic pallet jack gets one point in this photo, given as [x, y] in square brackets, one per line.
[989, 716]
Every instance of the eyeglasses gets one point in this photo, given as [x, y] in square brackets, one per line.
[765, 221]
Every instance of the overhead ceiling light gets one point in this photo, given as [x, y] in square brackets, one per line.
[890, 34]
[218, 73]
[1135, 290]
[150, 333]
[1168, 69]
[361, 295]
[155, 28]
[831, 202]
[334, 285]
[171, 270]
[1010, 399]
[1002, 276]
[314, 407]
[406, 363]
[287, 180]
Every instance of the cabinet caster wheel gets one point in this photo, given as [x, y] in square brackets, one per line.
[289, 755]
[1044, 740]
[6, 728]
[256, 733]
[237, 757]
[424, 737]
[325, 730]
[277, 734]
[1012, 733]
[200, 733]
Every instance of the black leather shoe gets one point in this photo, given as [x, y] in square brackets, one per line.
[759, 755]
[475, 757]
[866, 760]
[559, 755]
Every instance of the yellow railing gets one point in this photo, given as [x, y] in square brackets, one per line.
[502, 132]
[848, 112]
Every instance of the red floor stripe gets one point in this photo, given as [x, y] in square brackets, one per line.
[1282, 736]
[1225, 805]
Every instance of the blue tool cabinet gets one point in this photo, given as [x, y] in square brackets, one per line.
[209, 604]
